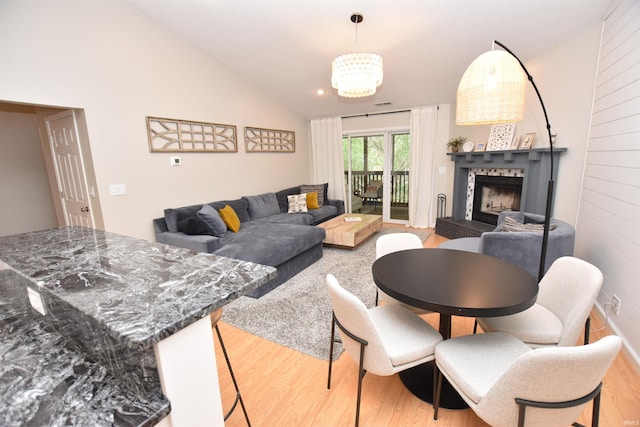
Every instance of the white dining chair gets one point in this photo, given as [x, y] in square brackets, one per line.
[507, 383]
[394, 242]
[566, 296]
[383, 340]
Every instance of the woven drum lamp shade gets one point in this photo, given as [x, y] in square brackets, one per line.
[355, 75]
[491, 91]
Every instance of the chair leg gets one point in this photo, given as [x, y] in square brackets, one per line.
[377, 296]
[361, 373]
[437, 390]
[233, 378]
[521, 412]
[333, 332]
[475, 326]
[587, 330]
[595, 418]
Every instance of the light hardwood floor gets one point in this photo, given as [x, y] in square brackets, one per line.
[282, 387]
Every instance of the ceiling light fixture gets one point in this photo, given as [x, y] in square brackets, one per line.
[356, 75]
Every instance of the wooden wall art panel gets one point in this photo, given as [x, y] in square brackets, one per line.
[179, 136]
[259, 140]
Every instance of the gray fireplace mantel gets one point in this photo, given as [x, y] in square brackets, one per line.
[535, 164]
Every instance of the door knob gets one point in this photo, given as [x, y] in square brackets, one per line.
[85, 209]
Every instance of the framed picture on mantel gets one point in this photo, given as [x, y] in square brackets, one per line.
[527, 141]
[515, 142]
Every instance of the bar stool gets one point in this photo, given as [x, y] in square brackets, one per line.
[215, 317]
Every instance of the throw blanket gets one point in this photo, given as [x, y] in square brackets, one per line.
[512, 224]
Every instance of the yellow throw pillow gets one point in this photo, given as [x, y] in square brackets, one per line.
[230, 218]
[312, 200]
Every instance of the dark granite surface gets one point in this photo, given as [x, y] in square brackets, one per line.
[141, 291]
[107, 299]
[46, 382]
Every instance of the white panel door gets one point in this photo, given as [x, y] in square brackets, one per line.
[70, 174]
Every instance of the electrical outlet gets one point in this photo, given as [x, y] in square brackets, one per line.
[615, 304]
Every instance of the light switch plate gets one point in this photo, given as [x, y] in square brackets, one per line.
[117, 189]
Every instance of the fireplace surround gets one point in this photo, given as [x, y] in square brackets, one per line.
[533, 163]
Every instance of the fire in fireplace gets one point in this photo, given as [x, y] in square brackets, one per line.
[494, 194]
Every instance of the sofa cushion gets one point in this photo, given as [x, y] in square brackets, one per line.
[321, 189]
[302, 218]
[262, 206]
[281, 196]
[322, 214]
[239, 206]
[270, 243]
[194, 225]
[297, 203]
[230, 218]
[173, 215]
[212, 218]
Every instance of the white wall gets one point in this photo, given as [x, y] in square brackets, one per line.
[565, 77]
[117, 64]
[608, 229]
[24, 187]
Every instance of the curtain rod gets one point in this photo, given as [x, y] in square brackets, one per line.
[380, 113]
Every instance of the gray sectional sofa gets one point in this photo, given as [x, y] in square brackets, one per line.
[267, 235]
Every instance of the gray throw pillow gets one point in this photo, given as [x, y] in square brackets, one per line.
[212, 218]
[194, 225]
[318, 188]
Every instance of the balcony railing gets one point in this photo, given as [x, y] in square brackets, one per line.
[399, 184]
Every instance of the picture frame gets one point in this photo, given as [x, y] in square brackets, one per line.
[527, 141]
[260, 140]
[515, 142]
[480, 146]
[500, 136]
[167, 135]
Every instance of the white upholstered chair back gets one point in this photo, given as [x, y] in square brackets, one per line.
[355, 317]
[569, 290]
[393, 242]
[550, 374]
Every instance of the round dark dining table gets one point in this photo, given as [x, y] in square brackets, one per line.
[452, 283]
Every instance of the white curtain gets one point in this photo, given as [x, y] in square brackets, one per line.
[423, 129]
[327, 159]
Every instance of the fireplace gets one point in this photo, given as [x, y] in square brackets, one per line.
[494, 194]
[531, 166]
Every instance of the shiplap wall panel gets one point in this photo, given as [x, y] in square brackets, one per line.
[615, 258]
[614, 142]
[608, 223]
[619, 95]
[617, 195]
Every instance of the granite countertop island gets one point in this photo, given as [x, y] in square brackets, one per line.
[82, 317]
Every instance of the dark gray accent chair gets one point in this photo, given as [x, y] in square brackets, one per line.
[521, 248]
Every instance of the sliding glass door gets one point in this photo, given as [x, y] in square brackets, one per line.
[399, 176]
[377, 174]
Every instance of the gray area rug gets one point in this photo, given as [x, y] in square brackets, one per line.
[297, 314]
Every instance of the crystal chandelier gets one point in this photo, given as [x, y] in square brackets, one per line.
[355, 75]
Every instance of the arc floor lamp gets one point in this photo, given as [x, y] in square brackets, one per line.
[492, 90]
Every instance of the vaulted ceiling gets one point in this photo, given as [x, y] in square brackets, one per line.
[286, 47]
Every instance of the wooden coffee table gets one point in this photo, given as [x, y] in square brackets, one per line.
[350, 234]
